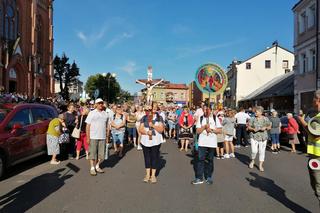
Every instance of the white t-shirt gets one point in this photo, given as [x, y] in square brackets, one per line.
[208, 140]
[98, 122]
[198, 113]
[156, 139]
[242, 117]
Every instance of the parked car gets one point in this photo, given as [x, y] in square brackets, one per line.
[23, 130]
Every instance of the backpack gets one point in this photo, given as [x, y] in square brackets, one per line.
[213, 115]
[114, 116]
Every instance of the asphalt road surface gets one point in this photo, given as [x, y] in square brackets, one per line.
[68, 187]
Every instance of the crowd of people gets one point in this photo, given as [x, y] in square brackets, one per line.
[221, 131]
[209, 133]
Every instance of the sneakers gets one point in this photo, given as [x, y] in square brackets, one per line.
[53, 162]
[139, 147]
[93, 172]
[222, 157]
[218, 157]
[209, 181]
[237, 146]
[232, 155]
[197, 181]
[227, 156]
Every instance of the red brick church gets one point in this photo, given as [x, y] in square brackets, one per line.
[26, 47]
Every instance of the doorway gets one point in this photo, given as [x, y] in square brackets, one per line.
[12, 86]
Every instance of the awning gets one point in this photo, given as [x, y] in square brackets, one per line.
[279, 86]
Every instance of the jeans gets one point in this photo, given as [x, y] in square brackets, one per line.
[275, 138]
[205, 164]
[151, 156]
[241, 132]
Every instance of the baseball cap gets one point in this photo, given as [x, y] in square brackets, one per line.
[99, 100]
[272, 110]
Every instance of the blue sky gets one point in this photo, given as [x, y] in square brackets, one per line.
[174, 36]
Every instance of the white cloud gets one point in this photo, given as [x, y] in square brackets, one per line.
[187, 51]
[82, 37]
[119, 38]
[129, 68]
[92, 38]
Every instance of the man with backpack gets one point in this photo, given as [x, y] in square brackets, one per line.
[207, 127]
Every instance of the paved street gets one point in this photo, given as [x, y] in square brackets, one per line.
[283, 187]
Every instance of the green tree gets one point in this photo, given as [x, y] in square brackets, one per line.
[65, 74]
[125, 96]
[109, 88]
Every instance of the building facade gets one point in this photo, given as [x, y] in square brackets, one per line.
[169, 93]
[306, 46]
[26, 47]
[244, 77]
[195, 95]
[75, 90]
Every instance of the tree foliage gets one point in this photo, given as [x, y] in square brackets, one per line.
[109, 88]
[65, 74]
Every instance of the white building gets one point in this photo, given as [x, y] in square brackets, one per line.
[75, 91]
[244, 77]
[306, 42]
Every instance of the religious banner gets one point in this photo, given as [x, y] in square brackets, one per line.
[210, 78]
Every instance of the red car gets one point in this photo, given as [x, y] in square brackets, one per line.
[23, 130]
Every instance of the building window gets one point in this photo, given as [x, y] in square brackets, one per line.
[11, 20]
[312, 18]
[39, 34]
[285, 64]
[267, 64]
[314, 59]
[248, 66]
[303, 22]
[304, 63]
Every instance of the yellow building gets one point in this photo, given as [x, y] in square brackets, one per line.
[169, 93]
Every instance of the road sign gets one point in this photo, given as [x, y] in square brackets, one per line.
[96, 93]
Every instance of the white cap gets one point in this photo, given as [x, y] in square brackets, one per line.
[98, 100]
[272, 110]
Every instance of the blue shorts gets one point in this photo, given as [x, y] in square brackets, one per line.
[172, 125]
[132, 132]
[118, 138]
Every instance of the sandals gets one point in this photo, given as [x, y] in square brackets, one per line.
[146, 179]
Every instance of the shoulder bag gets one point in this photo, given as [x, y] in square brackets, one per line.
[76, 131]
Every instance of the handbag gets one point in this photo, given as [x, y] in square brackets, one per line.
[76, 131]
[64, 138]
